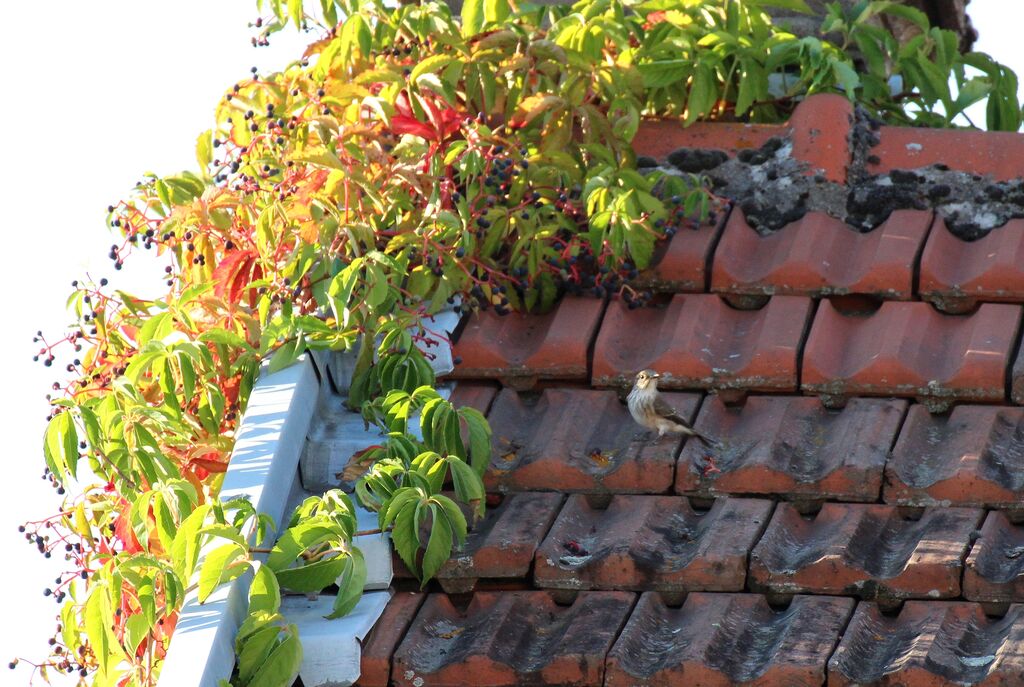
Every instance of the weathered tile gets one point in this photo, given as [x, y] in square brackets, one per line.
[665, 140]
[718, 640]
[476, 395]
[973, 457]
[1017, 378]
[995, 567]
[380, 644]
[680, 264]
[820, 255]
[957, 274]
[651, 543]
[994, 154]
[864, 550]
[821, 129]
[791, 446]
[578, 440]
[520, 349]
[502, 544]
[511, 638]
[699, 342]
[818, 132]
[910, 349]
[928, 644]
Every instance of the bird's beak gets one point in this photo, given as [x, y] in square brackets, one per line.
[655, 376]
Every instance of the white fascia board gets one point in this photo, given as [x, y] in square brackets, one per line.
[263, 467]
[331, 651]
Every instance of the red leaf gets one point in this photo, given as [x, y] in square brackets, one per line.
[236, 271]
[123, 531]
[402, 124]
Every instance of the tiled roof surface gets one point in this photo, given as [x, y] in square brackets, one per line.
[861, 518]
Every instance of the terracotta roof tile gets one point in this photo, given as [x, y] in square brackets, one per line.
[1017, 378]
[578, 440]
[591, 509]
[995, 154]
[717, 640]
[520, 349]
[930, 643]
[864, 550]
[474, 395]
[791, 446]
[502, 544]
[698, 341]
[957, 274]
[910, 349]
[511, 638]
[819, 129]
[651, 542]
[380, 644]
[660, 138]
[973, 456]
[682, 263]
[821, 135]
[820, 255]
[995, 566]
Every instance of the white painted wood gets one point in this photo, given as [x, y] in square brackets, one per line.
[330, 648]
[376, 550]
[263, 467]
[439, 329]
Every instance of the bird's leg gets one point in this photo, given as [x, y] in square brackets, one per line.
[644, 437]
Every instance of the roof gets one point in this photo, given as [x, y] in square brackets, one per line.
[860, 521]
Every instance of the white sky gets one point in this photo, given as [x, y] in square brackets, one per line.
[95, 94]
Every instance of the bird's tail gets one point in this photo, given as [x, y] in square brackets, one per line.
[706, 440]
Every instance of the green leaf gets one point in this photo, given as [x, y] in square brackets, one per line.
[455, 517]
[255, 650]
[264, 593]
[430, 65]
[350, 585]
[405, 536]
[662, 73]
[472, 17]
[60, 446]
[847, 77]
[496, 11]
[297, 539]
[295, 12]
[469, 487]
[221, 565]
[641, 245]
[793, 5]
[204, 150]
[185, 549]
[312, 577]
[479, 439]
[439, 546]
[288, 354]
[99, 626]
[282, 666]
[135, 630]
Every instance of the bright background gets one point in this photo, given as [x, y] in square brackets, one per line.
[95, 94]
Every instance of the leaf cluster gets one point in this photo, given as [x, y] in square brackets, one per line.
[411, 161]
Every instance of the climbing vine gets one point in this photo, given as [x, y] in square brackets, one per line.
[411, 161]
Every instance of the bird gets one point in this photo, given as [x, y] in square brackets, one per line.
[650, 410]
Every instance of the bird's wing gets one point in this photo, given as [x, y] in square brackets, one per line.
[663, 409]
